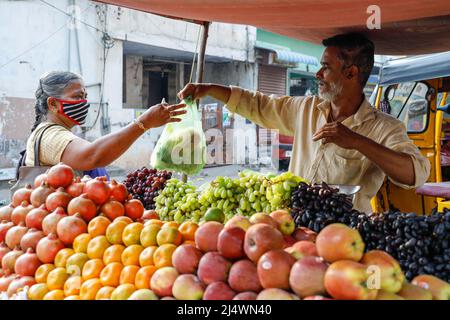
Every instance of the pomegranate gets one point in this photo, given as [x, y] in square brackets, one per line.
[134, 209]
[113, 209]
[51, 220]
[4, 227]
[19, 213]
[118, 191]
[5, 282]
[34, 217]
[22, 194]
[76, 188]
[58, 199]
[31, 239]
[14, 235]
[40, 194]
[40, 179]
[48, 247]
[97, 190]
[84, 206]
[19, 283]
[3, 250]
[70, 227]
[60, 175]
[9, 259]
[27, 263]
[5, 212]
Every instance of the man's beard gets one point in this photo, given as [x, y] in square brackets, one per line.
[335, 89]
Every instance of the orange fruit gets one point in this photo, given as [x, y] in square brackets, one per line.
[189, 242]
[110, 275]
[163, 255]
[148, 235]
[104, 293]
[126, 219]
[97, 247]
[80, 243]
[154, 221]
[188, 229]
[128, 274]
[143, 277]
[92, 269]
[123, 292]
[169, 235]
[130, 256]
[114, 231]
[37, 291]
[56, 279]
[131, 234]
[173, 224]
[72, 286]
[113, 254]
[76, 297]
[146, 256]
[75, 263]
[57, 294]
[42, 272]
[97, 226]
[62, 256]
[89, 289]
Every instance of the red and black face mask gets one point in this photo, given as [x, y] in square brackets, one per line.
[75, 110]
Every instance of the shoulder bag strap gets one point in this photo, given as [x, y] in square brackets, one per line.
[37, 145]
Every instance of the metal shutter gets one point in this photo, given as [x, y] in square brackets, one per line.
[272, 80]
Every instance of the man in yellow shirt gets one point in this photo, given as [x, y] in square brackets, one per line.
[339, 138]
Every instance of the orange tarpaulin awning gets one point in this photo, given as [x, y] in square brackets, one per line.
[407, 26]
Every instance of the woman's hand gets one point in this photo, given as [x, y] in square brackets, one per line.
[161, 114]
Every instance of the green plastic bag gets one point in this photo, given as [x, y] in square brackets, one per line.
[182, 145]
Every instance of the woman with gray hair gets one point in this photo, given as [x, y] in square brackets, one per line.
[61, 104]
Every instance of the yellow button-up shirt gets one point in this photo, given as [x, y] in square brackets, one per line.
[317, 162]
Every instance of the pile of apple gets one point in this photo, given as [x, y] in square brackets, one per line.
[259, 258]
[41, 221]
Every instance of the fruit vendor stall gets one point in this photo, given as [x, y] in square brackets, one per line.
[258, 237]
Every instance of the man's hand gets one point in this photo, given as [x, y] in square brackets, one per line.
[337, 133]
[194, 91]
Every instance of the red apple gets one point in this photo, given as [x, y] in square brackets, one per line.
[218, 291]
[207, 234]
[150, 214]
[302, 249]
[231, 243]
[238, 221]
[348, 280]
[262, 217]
[438, 288]
[285, 222]
[188, 287]
[412, 292]
[307, 277]
[390, 273]
[244, 277]
[213, 267]
[276, 294]
[186, 258]
[261, 238]
[304, 234]
[316, 298]
[339, 242]
[273, 269]
[248, 295]
[162, 281]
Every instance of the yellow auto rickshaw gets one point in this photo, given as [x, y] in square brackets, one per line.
[416, 91]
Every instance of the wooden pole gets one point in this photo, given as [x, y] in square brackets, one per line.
[200, 66]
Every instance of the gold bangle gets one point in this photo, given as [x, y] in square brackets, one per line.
[140, 124]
